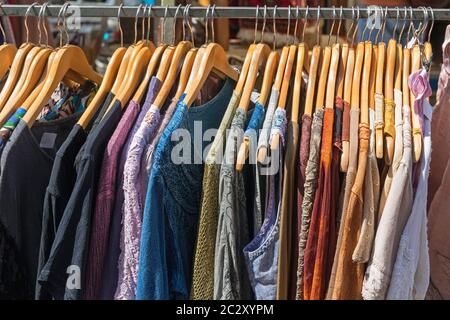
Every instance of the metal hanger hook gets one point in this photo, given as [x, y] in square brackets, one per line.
[306, 22]
[384, 24]
[175, 23]
[403, 26]
[120, 25]
[143, 22]
[356, 25]
[332, 25]
[39, 27]
[149, 27]
[1, 27]
[66, 30]
[396, 22]
[136, 22]
[264, 23]
[352, 24]
[27, 13]
[256, 23]
[207, 24]
[213, 11]
[296, 25]
[190, 25]
[379, 30]
[163, 26]
[288, 29]
[365, 26]
[318, 25]
[339, 25]
[432, 23]
[274, 26]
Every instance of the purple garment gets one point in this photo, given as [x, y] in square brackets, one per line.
[133, 200]
[147, 159]
[111, 267]
[105, 201]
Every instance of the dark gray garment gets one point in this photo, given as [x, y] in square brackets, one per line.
[26, 165]
[60, 188]
[63, 274]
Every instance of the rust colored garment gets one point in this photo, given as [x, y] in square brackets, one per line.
[349, 180]
[350, 275]
[301, 171]
[317, 268]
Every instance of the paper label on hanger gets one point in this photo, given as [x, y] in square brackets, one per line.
[254, 97]
[48, 140]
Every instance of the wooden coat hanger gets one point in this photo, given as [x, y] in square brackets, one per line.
[184, 73]
[114, 75]
[379, 84]
[213, 58]
[301, 53]
[356, 82]
[262, 55]
[17, 64]
[321, 85]
[373, 74]
[365, 82]
[347, 98]
[269, 71]
[312, 77]
[179, 53]
[333, 69]
[67, 58]
[348, 80]
[389, 95]
[31, 74]
[262, 152]
[7, 52]
[417, 136]
[274, 143]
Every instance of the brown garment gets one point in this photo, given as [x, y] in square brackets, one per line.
[301, 169]
[349, 180]
[312, 171]
[439, 185]
[350, 275]
[287, 216]
[317, 267]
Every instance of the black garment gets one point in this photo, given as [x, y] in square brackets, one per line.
[26, 164]
[62, 181]
[63, 274]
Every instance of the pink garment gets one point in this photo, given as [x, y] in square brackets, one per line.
[439, 185]
[133, 206]
[104, 203]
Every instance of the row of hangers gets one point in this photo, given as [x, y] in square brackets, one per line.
[352, 72]
[35, 70]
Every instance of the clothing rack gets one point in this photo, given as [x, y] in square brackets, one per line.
[220, 12]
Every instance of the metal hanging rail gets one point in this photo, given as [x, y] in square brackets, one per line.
[219, 12]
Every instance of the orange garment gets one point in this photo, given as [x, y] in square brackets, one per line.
[350, 275]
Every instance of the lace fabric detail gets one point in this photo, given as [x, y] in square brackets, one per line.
[133, 207]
